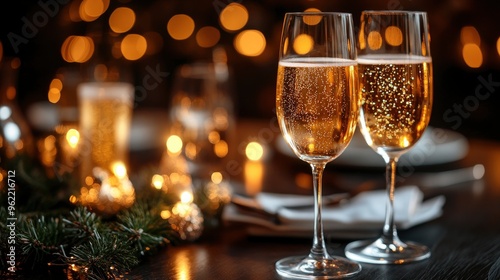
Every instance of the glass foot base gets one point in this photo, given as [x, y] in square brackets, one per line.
[377, 252]
[300, 267]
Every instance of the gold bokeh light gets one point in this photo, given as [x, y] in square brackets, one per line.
[122, 20]
[250, 42]
[186, 197]
[72, 137]
[55, 88]
[54, 95]
[133, 46]
[207, 36]
[254, 151]
[393, 36]
[469, 35]
[472, 55]
[216, 177]
[90, 10]
[174, 144]
[312, 20]
[303, 44]
[180, 26]
[374, 40]
[233, 17]
[77, 49]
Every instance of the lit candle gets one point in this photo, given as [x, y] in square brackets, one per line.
[254, 168]
[254, 172]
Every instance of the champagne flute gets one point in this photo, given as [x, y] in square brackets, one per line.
[317, 109]
[395, 72]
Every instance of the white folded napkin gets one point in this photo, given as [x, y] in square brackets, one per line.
[367, 210]
[360, 216]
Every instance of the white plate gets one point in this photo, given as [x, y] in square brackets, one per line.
[437, 146]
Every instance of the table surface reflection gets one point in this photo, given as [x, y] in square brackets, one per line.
[465, 240]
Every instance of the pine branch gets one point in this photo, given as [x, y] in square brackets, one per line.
[41, 239]
[80, 224]
[145, 228]
[103, 256]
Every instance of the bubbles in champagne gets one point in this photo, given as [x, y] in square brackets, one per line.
[396, 100]
[317, 105]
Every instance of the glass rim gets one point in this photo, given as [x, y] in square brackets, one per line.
[316, 13]
[393, 12]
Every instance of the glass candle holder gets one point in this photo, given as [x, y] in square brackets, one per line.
[105, 117]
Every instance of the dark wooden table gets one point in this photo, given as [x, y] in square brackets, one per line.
[465, 240]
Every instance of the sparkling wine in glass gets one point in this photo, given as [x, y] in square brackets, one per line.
[317, 108]
[395, 74]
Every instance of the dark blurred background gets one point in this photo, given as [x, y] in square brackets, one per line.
[465, 46]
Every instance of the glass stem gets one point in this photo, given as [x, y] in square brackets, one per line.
[389, 234]
[318, 250]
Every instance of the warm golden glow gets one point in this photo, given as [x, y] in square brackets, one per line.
[214, 137]
[77, 49]
[183, 265]
[54, 95]
[49, 142]
[111, 192]
[157, 181]
[498, 45]
[254, 173]
[221, 118]
[472, 55]
[424, 48]
[72, 137]
[393, 36]
[250, 42]
[303, 44]
[374, 40]
[89, 180]
[207, 36]
[303, 180]
[174, 144]
[133, 46]
[122, 20]
[405, 141]
[119, 169]
[233, 17]
[90, 10]
[186, 197]
[47, 148]
[180, 27]
[469, 35]
[165, 214]
[285, 46]
[55, 88]
[56, 83]
[221, 149]
[191, 151]
[312, 20]
[361, 36]
[254, 151]
[216, 177]
[11, 92]
[101, 72]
